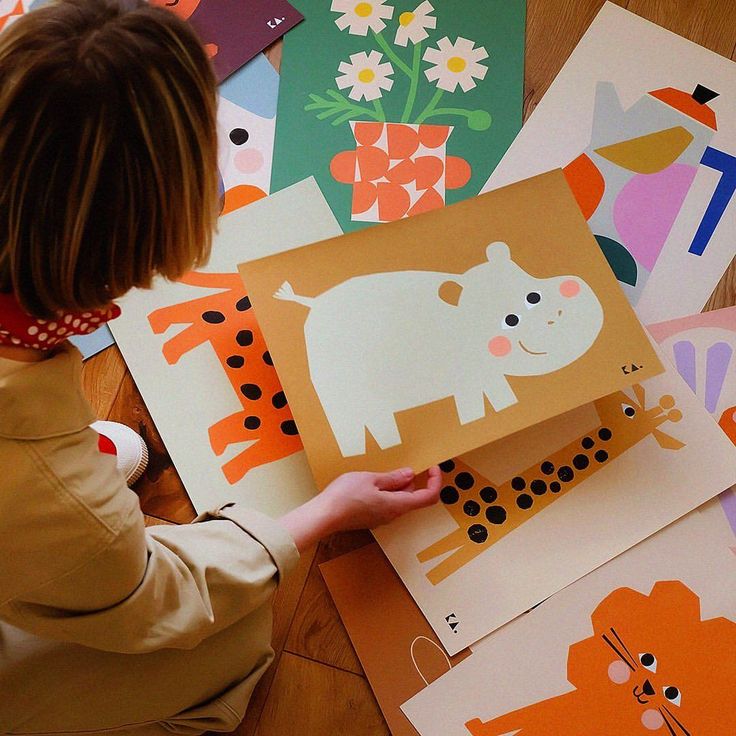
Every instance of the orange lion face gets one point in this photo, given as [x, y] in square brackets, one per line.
[652, 665]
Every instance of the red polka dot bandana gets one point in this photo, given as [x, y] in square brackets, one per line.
[19, 328]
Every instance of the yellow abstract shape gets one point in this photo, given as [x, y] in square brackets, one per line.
[456, 64]
[366, 75]
[406, 18]
[650, 153]
[363, 9]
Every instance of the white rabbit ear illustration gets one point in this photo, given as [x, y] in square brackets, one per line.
[429, 658]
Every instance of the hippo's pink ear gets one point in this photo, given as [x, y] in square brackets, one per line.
[497, 252]
[449, 292]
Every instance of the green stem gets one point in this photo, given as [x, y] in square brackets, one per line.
[448, 111]
[383, 43]
[429, 111]
[380, 114]
[415, 69]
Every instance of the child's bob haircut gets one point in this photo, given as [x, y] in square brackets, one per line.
[108, 152]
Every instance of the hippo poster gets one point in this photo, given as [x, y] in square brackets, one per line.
[642, 123]
[429, 337]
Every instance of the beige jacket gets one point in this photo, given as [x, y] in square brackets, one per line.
[105, 624]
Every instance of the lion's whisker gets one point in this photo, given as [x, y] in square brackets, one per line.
[672, 716]
[621, 656]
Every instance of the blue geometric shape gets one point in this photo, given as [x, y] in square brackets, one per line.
[254, 87]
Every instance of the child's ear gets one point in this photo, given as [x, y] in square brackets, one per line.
[497, 252]
[450, 292]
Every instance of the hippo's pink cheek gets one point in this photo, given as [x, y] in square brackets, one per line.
[618, 672]
[569, 288]
[249, 160]
[499, 346]
[652, 719]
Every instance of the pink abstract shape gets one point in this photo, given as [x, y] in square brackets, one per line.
[646, 209]
[249, 160]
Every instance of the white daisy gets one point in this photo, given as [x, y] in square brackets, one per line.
[360, 16]
[413, 24]
[455, 64]
[365, 75]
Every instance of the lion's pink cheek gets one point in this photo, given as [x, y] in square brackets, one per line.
[569, 288]
[618, 672]
[499, 346]
[652, 719]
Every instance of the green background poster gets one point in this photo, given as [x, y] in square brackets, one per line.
[354, 60]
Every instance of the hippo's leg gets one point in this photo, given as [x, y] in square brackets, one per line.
[470, 405]
[500, 394]
[385, 431]
[349, 433]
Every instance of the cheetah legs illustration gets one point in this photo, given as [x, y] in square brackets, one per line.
[486, 512]
[226, 320]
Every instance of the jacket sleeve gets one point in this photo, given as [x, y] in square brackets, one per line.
[166, 586]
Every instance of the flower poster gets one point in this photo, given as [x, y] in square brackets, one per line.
[398, 107]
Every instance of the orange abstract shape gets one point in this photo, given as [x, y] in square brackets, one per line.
[586, 182]
[687, 104]
[393, 201]
[402, 173]
[342, 167]
[364, 196]
[429, 170]
[211, 49]
[367, 134]
[457, 172]
[16, 11]
[372, 163]
[430, 200]
[402, 140]
[433, 136]
[239, 196]
[500, 508]
[182, 8]
[651, 153]
[727, 423]
[648, 668]
[226, 321]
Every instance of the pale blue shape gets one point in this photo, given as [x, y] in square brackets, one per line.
[254, 87]
[93, 343]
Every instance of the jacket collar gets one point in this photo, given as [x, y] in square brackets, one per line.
[45, 399]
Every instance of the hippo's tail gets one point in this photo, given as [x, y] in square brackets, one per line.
[286, 293]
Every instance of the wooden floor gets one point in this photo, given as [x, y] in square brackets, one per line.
[316, 686]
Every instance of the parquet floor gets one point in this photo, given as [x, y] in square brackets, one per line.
[316, 686]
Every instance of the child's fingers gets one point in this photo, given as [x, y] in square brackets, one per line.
[394, 480]
[404, 501]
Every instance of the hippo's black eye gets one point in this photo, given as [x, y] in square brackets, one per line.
[649, 661]
[628, 410]
[533, 298]
[239, 136]
[672, 694]
[510, 320]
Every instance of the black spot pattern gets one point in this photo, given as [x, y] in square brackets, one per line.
[554, 486]
[538, 487]
[279, 400]
[251, 391]
[488, 494]
[477, 533]
[213, 317]
[518, 483]
[581, 461]
[252, 423]
[471, 508]
[464, 481]
[244, 338]
[605, 434]
[449, 495]
[243, 304]
[587, 443]
[289, 427]
[267, 359]
[239, 136]
[496, 514]
[236, 361]
[547, 467]
[447, 467]
[565, 474]
[524, 501]
[601, 456]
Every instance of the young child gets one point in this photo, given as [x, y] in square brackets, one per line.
[107, 178]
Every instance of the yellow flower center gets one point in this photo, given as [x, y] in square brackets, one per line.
[363, 9]
[406, 18]
[366, 75]
[456, 64]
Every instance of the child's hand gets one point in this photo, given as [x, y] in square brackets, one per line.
[359, 501]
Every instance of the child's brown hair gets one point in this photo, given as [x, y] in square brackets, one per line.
[108, 152]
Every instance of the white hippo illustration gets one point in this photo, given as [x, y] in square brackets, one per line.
[382, 343]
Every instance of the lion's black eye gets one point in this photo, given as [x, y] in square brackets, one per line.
[649, 661]
[510, 320]
[533, 297]
[672, 694]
